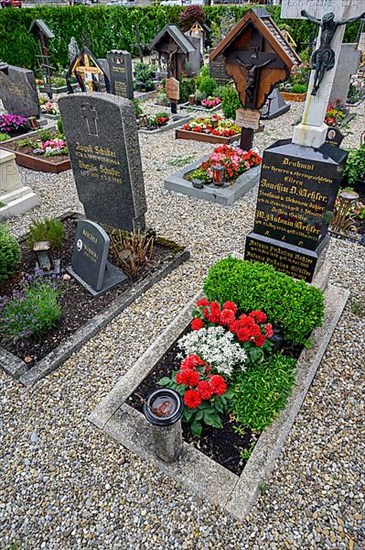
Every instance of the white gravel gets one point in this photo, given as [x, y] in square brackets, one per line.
[66, 485]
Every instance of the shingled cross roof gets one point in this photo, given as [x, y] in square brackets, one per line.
[39, 26]
[177, 36]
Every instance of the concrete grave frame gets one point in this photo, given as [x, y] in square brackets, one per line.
[17, 368]
[236, 494]
[222, 195]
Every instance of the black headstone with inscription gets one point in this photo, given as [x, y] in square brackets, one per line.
[89, 265]
[121, 73]
[18, 91]
[297, 192]
[102, 138]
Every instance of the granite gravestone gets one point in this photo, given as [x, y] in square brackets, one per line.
[297, 192]
[217, 70]
[348, 64]
[18, 91]
[89, 264]
[121, 74]
[102, 138]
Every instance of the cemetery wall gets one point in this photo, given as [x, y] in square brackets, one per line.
[104, 28]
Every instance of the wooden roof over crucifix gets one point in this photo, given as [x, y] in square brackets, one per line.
[172, 32]
[256, 40]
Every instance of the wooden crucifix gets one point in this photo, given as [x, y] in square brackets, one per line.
[86, 69]
[257, 57]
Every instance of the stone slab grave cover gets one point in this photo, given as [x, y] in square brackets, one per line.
[18, 91]
[297, 191]
[89, 265]
[102, 137]
[347, 66]
[121, 73]
[16, 198]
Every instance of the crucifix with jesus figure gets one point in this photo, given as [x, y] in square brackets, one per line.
[257, 57]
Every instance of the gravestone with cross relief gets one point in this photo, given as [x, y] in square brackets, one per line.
[102, 137]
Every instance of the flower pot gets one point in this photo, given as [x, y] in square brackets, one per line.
[290, 96]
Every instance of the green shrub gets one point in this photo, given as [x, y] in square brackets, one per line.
[137, 107]
[293, 305]
[204, 72]
[60, 127]
[208, 86]
[299, 88]
[187, 87]
[262, 391]
[50, 229]
[9, 253]
[355, 165]
[30, 312]
[144, 75]
[230, 102]
[3, 137]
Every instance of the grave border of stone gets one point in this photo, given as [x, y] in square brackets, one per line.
[200, 474]
[225, 196]
[199, 108]
[14, 366]
[169, 126]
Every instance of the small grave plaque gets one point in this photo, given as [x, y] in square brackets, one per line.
[173, 89]
[102, 139]
[334, 137]
[248, 118]
[121, 74]
[89, 265]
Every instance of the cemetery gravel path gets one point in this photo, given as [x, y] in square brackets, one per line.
[65, 485]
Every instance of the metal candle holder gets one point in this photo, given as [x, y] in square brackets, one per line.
[219, 173]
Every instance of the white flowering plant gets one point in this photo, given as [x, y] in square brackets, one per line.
[217, 347]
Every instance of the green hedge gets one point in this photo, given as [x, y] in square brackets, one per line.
[103, 28]
[295, 306]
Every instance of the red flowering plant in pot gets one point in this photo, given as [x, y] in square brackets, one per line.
[205, 395]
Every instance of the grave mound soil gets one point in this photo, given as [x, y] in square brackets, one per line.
[78, 305]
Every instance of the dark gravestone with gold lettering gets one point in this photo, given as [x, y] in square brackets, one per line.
[121, 74]
[18, 91]
[89, 265]
[297, 192]
[102, 137]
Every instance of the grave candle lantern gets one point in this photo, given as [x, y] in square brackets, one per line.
[219, 173]
[191, 99]
[43, 254]
[163, 409]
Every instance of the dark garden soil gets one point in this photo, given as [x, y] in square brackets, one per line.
[221, 445]
[78, 305]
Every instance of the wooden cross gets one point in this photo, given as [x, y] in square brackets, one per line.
[82, 70]
[91, 119]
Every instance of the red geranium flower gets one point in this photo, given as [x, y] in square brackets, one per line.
[218, 385]
[243, 334]
[192, 399]
[259, 340]
[204, 389]
[188, 377]
[230, 305]
[227, 317]
[191, 362]
[196, 324]
[259, 316]
[269, 331]
[202, 302]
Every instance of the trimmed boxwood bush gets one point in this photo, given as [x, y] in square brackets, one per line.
[9, 253]
[293, 305]
[262, 391]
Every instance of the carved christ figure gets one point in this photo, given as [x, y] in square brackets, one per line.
[252, 70]
[323, 59]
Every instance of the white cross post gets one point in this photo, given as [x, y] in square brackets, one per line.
[312, 130]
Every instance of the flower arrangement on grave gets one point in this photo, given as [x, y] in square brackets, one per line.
[47, 143]
[211, 102]
[214, 125]
[50, 108]
[221, 343]
[234, 160]
[13, 124]
[335, 114]
[298, 80]
[158, 120]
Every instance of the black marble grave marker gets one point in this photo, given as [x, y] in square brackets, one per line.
[297, 192]
[102, 138]
[121, 74]
[89, 265]
[18, 91]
